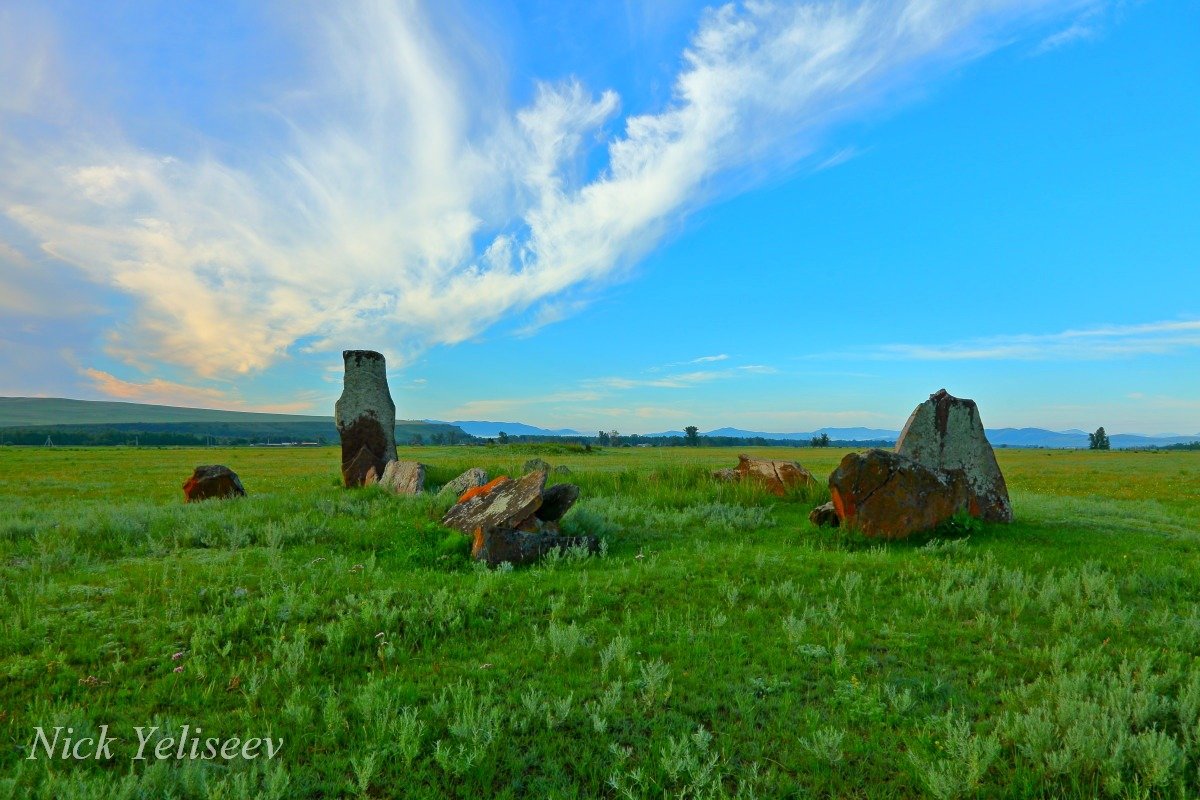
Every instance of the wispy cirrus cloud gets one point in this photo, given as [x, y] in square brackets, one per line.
[1098, 343]
[170, 393]
[400, 195]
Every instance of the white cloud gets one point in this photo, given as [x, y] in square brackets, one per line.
[1103, 342]
[163, 392]
[402, 198]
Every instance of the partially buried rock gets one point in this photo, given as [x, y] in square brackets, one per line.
[536, 465]
[890, 496]
[777, 476]
[500, 545]
[211, 481]
[403, 477]
[946, 433]
[824, 516]
[556, 501]
[468, 480]
[365, 417]
[727, 475]
[504, 505]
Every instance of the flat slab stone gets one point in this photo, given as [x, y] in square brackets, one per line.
[403, 477]
[506, 505]
[945, 432]
[212, 481]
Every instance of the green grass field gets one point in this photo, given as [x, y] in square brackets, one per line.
[719, 647]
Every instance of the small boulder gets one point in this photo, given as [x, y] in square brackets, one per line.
[777, 476]
[727, 475]
[403, 477]
[496, 546]
[214, 480]
[468, 480]
[890, 496]
[535, 465]
[945, 432]
[824, 516]
[504, 505]
[556, 501]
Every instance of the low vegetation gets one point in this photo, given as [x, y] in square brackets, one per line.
[720, 646]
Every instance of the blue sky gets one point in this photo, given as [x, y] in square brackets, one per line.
[776, 216]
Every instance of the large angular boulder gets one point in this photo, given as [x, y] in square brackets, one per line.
[499, 545]
[890, 496]
[365, 417]
[505, 504]
[556, 501]
[470, 479]
[946, 433]
[214, 480]
[777, 476]
[403, 477]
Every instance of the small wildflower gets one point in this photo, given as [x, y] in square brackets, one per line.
[639, 555]
[379, 635]
[357, 568]
[178, 669]
[234, 683]
[485, 666]
[177, 656]
[317, 560]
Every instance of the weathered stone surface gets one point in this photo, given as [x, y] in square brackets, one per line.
[556, 501]
[890, 496]
[214, 480]
[504, 506]
[824, 516]
[945, 432]
[536, 465]
[499, 545]
[727, 475]
[468, 480]
[403, 477]
[480, 490]
[777, 476]
[365, 416]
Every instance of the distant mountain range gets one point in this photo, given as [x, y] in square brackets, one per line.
[27, 413]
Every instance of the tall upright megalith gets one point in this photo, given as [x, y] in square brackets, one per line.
[946, 433]
[366, 418]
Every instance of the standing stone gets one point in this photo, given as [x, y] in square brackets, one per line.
[403, 477]
[365, 417]
[946, 433]
[214, 480]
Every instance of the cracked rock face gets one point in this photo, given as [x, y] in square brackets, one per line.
[890, 496]
[777, 476]
[365, 417]
[946, 433]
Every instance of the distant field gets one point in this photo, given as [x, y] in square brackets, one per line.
[721, 646]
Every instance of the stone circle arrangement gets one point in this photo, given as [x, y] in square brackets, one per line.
[942, 467]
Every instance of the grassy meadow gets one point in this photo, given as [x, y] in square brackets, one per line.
[720, 646]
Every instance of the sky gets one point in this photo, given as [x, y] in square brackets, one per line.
[777, 216]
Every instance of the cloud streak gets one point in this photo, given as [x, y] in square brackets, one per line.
[399, 197]
[1089, 344]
